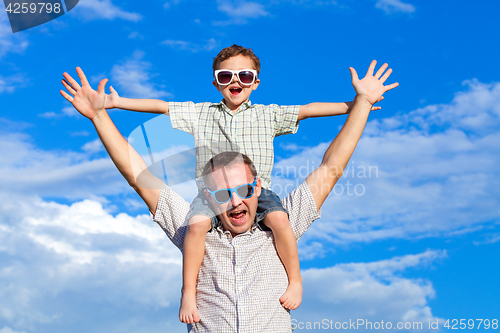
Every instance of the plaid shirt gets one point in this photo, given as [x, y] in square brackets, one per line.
[250, 130]
[241, 278]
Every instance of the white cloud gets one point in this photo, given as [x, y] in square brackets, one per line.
[9, 330]
[372, 291]
[433, 173]
[190, 46]
[93, 146]
[240, 11]
[134, 79]
[104, 9]
[10, 42]
[8, 84]
[391, 6]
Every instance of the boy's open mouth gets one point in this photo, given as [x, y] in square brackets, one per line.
[235, 91]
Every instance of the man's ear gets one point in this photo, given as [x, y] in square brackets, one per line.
[258, 187]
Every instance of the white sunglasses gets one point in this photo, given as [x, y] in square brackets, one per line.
[245, 76]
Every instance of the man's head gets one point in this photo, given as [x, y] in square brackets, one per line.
[234, 84]
[236, 172]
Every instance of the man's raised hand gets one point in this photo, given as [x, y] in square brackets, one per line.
[371, 87]
[85, 99]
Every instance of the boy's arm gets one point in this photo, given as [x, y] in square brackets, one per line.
[327, 109]
[90, 103]
[113, 100]
[369, 90]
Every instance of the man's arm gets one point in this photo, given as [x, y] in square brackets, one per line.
[113, 100]
[369, 90]
[314, 110]
[90, 103]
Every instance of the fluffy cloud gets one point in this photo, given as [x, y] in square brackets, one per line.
[392, 6]
[133, 78]
[10, 42]
[104, 9]
[190, 46]
[240, 11]
[9, 83]
[371, 291]
[430, 172]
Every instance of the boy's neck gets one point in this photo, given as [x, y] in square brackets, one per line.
[234, 110]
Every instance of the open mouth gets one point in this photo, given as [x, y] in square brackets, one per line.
[238, 217]
[235, 91]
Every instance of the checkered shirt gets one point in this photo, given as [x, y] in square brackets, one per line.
[251, 130]
[241, 278]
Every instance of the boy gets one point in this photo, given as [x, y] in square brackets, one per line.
[234, 125]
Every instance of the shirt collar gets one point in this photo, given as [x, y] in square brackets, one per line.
[243, 107]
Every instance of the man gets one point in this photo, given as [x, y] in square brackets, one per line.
[241, 278]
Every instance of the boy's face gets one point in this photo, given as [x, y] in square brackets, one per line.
[236, 93]
[237, 215]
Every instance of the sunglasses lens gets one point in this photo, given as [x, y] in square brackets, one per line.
[245, 192]
[222, 196]
[246, 77]
[224, 77]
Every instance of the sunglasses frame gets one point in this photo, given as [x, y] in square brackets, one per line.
[237, 72]
[233, 190]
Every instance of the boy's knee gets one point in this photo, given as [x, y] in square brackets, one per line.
[199, 223]
[276, 220]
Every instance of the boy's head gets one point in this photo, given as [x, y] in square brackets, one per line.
[236, 71]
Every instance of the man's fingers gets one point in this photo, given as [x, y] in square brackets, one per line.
[71, 81]
[65, 95]
[354, 74]
[371, 68]
[381, 70]
[71, 90]
[82, 77]
[386, 75]
[391, 86]
[101, 86]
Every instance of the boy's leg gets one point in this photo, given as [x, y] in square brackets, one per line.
[193, 252]
[286, 245]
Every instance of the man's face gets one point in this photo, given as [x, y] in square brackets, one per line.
[237, 215]
[236, 93]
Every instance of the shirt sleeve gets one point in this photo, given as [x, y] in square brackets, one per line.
[286, 119]
[171, 212]
[183, 115]
[301, 208]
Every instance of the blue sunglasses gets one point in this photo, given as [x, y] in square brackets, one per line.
[244, 191]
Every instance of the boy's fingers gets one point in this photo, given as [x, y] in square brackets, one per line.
[371, 68]
[111, 89]
[65, 95]
[67, 86]
[82, 77]
[71, 81]
[354, 74]
[381, 70]
[101, 86]
[391, 86]
[386, 75]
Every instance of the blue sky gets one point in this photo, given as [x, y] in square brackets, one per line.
[411, 234]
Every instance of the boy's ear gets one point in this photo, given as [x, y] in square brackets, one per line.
[214, 82]
[255, 84]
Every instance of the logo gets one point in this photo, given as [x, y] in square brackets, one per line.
[28, 14]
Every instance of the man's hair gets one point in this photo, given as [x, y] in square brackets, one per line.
[226, 159]
[233, 51]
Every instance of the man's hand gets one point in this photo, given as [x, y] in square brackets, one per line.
[371, 87]
[112, 99]
[85, 99]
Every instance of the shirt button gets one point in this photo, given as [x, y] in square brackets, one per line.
[238, 270]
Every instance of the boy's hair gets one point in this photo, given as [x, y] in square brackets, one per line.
[233, 51]
[226, 159]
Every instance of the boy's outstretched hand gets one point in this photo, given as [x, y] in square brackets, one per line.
[85, 99]
[371, 87]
